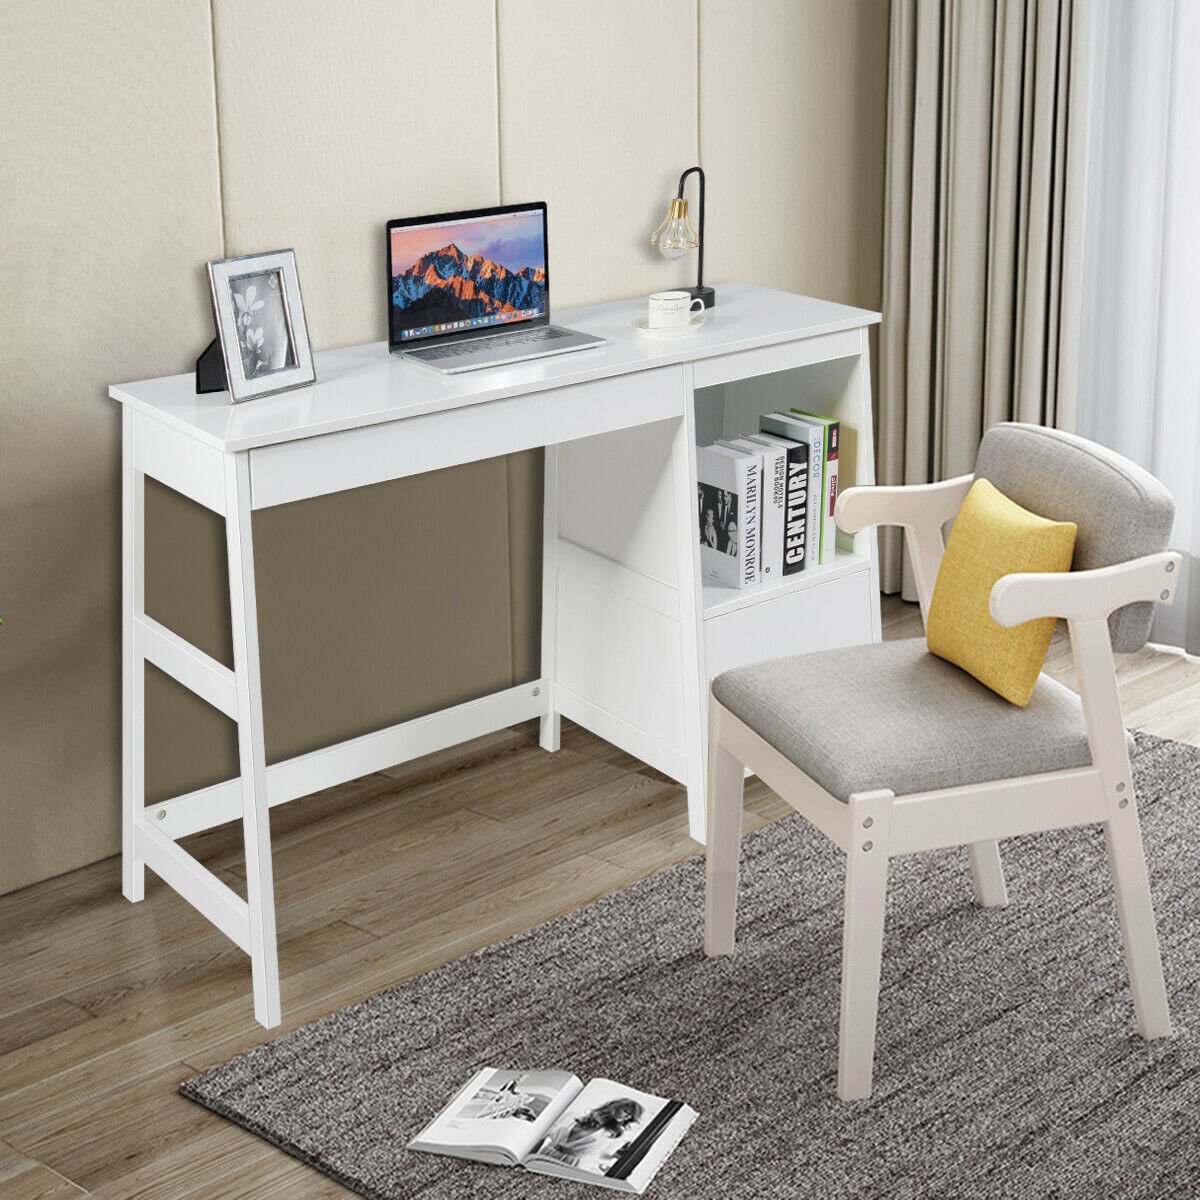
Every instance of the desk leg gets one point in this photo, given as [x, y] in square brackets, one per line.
[256, 821]
[133, 667]
[551, 722]
[695, 679]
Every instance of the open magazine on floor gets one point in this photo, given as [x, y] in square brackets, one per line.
[550, 1121]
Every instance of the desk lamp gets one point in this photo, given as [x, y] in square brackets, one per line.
[675, 236]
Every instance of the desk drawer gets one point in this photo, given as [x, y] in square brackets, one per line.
[335, 462]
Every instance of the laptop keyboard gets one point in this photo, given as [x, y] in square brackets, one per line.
[475, 345]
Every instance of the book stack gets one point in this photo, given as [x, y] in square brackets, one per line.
[765, 501]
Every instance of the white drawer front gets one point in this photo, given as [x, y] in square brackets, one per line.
[837, 613]
[353, 458]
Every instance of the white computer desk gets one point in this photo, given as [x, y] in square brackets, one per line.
[630, 638]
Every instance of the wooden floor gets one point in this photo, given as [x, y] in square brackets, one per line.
[105, 1006]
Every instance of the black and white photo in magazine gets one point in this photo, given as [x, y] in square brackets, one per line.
[718, 512]
[599, 1128]
[511, 1095]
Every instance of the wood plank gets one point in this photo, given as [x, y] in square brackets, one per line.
[136, 1039]
[45, 956]
[131, 1007]
[180, 981]
[96, 1138]
[233, 1167]
[355, 840]
[582, 741]
[567, 813]
[22, 1178]
[221, 848]
[647, 851]
[38, 1021]
[441, 766]
[221, 1163]
[582, 823]
[540, 895]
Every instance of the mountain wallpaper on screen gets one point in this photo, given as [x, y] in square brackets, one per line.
[447, 285]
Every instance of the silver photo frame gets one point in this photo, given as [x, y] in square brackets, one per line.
[260, 322]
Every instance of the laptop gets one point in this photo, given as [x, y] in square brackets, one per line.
[472, 289]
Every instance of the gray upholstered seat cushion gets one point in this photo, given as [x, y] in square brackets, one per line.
[891, 715]
[1122, 511]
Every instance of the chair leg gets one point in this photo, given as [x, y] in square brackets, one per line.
[862, 940]
[725, 778]
[988, 873]
[1122, 831]
[1127, 860]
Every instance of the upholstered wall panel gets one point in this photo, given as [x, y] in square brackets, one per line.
[108, 204]
[335, 117]
[140, 138]
[792, 123]
[396, 600]
[598, 118]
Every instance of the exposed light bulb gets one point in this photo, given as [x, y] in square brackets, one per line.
[675, 236]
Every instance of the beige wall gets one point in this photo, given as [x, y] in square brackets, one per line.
[139, 139]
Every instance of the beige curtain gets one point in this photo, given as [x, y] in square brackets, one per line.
[986, 146]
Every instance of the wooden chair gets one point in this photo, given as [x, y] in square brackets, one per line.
[888, 750]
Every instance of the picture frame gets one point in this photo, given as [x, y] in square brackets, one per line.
[260, 324]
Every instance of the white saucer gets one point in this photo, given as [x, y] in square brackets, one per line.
[669, 331]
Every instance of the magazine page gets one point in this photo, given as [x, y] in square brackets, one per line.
[500, 1116]
[612, 1135]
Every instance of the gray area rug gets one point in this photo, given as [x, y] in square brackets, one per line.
[1008, 1064]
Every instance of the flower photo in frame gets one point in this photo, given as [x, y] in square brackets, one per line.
[260, 323]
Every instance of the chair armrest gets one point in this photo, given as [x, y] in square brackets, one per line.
[919, 505]
[1085, 595]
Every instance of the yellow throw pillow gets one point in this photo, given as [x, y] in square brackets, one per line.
[993, 537]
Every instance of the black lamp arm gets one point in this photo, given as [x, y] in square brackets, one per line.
[683, 179]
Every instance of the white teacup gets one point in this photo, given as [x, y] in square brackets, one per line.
[672, 309]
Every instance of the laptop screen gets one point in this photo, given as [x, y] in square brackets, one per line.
[466, 271]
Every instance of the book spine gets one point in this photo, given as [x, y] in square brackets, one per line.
[831, 431]
[748, 548]
[795, 524]
[775, 471]
[816, 490]
[829, 532]
[714, 472]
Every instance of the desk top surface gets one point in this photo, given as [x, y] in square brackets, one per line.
[365, 385]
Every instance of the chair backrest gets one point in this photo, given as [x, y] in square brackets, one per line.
[1122, 511]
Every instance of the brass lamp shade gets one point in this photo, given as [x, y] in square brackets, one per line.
[675, 236]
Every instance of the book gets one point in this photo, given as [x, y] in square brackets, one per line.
[812, 435]
[795, 540]
[729, 483]
[551, 1123]
[830, 488]
[771, 503]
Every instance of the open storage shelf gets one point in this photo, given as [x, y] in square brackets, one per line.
[832, 389]
[719, 600]
[636, 622]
